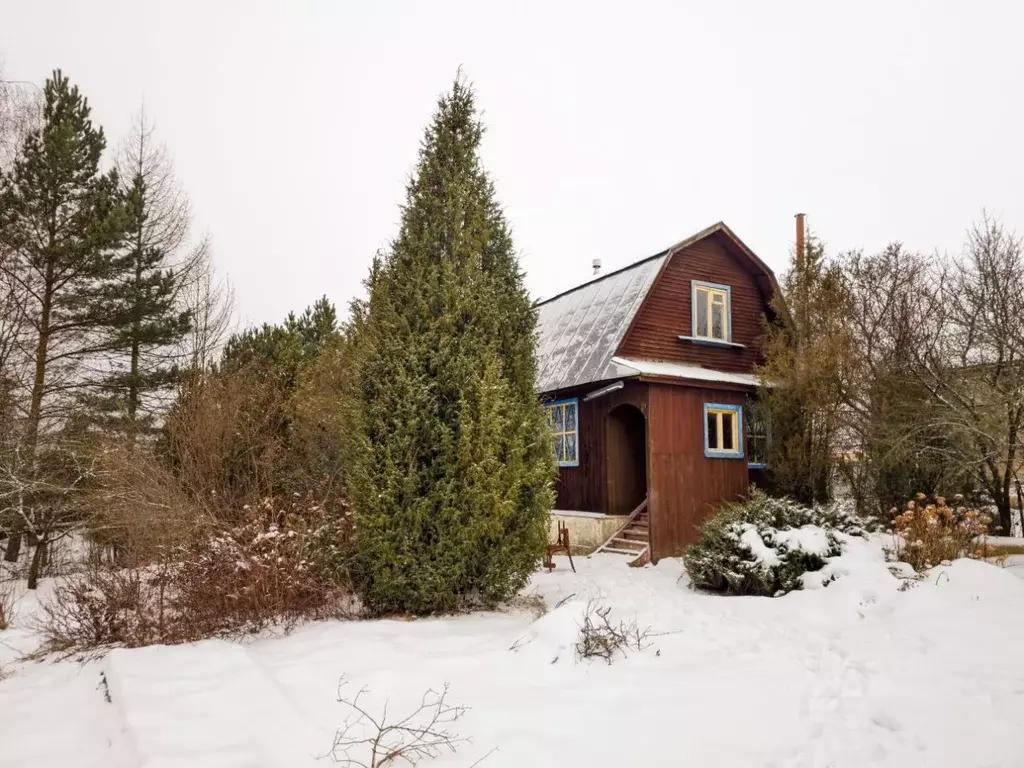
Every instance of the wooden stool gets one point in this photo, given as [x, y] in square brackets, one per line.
[562, 545]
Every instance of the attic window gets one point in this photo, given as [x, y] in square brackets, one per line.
[712, 313]
[563, 421]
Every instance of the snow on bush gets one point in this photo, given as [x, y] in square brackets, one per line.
[279, 564]
[764, 545]
[267, 570]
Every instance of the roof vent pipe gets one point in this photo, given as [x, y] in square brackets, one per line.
[597, 266]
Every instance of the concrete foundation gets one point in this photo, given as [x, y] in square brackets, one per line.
[587, 530]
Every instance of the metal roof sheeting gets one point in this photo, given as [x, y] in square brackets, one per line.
[579, 331]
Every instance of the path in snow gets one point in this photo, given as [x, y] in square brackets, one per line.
[855, 674]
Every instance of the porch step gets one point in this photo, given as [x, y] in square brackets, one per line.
[635, 534]
[627, 544]
[633, 538]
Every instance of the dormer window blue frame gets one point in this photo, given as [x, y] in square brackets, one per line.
[723, 431]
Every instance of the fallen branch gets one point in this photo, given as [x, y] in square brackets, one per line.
[601, 639]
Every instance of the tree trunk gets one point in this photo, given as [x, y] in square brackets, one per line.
[38, 557]
[13, 547]
[133, 378]
[1005, 510]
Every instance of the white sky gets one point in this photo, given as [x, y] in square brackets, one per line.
[614, 130]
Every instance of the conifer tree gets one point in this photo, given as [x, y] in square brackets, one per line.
[802, 375]
[147, 319]
[61, 221]
[452, 477]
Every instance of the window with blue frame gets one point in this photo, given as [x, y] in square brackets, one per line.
[723, 431]
[563, 421]
[712, 314]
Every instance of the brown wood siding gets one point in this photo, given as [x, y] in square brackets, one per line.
[585, 487]
[665, 314]
[685, 486]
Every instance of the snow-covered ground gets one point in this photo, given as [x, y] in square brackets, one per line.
[855, 674]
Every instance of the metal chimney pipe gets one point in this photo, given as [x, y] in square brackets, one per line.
[597, 266]
[800, 245]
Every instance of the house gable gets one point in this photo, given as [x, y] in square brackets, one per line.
[715, 257]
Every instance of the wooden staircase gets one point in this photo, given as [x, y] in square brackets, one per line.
[633, 538]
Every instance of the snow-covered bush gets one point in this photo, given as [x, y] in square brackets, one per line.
[930, 532]
[763, 545]
[104, 606]
[277, 565]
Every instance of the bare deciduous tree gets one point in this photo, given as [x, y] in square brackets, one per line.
[210, 300]
[20, 112]
[148, 314]
[971, 358]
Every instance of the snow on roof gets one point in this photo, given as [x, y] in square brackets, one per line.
[681, 371]
[579, 331]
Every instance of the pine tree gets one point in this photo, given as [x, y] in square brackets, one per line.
[452, 477]
[61, 221]
[288, 346]
[147, 320]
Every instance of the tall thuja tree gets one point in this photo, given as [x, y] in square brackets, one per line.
[148, 317]
[803, 374]
[452, 471]
[61, 221]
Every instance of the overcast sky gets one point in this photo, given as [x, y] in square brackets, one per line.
[613, 130]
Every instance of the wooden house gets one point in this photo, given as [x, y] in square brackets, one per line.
[645, 373]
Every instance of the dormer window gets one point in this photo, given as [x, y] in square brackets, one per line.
[712, 318]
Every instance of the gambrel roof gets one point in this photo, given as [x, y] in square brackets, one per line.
[580, 330]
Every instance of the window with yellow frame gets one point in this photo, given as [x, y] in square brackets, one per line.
[723, 431]
[563, 421]
[712, 316]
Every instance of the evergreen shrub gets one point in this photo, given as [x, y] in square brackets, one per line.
[762, 546]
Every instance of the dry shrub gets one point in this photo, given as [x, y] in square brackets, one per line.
[931, 532]
[104, 606]
[137, 509]
[366, 740]
[600, 638]
[8, 592]
[224, 438]
[277, 567]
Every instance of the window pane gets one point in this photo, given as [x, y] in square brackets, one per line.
[712, 431]
[570, 417]
[559, 418]
[570, 449]
[549, 416]
[717, 321]
[702, 313]
[729, 431]
[559, 447]
[757, 449]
